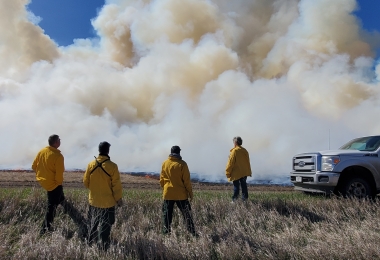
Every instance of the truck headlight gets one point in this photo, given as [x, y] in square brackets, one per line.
[329, 162]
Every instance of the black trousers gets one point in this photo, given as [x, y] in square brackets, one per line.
[244, 189]
[55, 198]
[104, 219]
[167, 214]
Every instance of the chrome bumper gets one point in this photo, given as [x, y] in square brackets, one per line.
[318, 182]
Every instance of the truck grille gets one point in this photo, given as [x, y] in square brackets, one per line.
[304, 163]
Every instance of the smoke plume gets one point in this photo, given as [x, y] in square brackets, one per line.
[282, 74]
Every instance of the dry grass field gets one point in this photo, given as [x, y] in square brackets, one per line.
[276, 223]
[72, 179]
[142, 181]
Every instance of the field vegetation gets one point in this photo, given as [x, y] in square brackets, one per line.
[271, 225]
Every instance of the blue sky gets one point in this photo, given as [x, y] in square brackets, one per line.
[65, 20]
[369, 14]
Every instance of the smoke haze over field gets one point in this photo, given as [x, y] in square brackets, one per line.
[282, 74]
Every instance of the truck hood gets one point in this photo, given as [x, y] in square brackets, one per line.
[345, 152]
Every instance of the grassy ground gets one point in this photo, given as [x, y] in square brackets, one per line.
[272, 225]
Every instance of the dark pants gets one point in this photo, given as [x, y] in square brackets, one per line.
[104, 219]
[184, 207]
[55, 198]
[244, 190]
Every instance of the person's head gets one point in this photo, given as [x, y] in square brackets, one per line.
[237, 141]
[54, 141]
[175, 149]
[104, 148]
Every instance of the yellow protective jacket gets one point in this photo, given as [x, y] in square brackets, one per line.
[175, 179]
[105, 190]
[49, 167]
[238, 165]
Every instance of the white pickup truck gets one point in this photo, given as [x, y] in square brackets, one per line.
[352, 171]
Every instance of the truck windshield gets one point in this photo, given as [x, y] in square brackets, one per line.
[370, 143]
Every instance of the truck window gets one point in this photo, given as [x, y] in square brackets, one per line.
[370, 143]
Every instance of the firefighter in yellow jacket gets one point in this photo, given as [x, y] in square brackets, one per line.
[238, 168]
[49, 167]
[102, 178]
[177, 189]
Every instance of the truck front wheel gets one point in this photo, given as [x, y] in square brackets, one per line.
[357, 188]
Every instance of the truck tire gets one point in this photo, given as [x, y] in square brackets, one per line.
[357, 188]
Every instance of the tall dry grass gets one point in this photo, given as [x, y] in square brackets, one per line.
[272, 225]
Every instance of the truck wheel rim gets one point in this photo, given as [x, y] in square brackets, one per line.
[357, 189]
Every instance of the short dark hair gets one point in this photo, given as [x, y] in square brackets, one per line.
[175, 149]
[104, 147]
[238, 140]
[52, 139]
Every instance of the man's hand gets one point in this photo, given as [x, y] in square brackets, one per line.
[119, 202]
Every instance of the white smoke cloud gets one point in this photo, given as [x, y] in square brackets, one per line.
[34, 18]
[282, 74]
